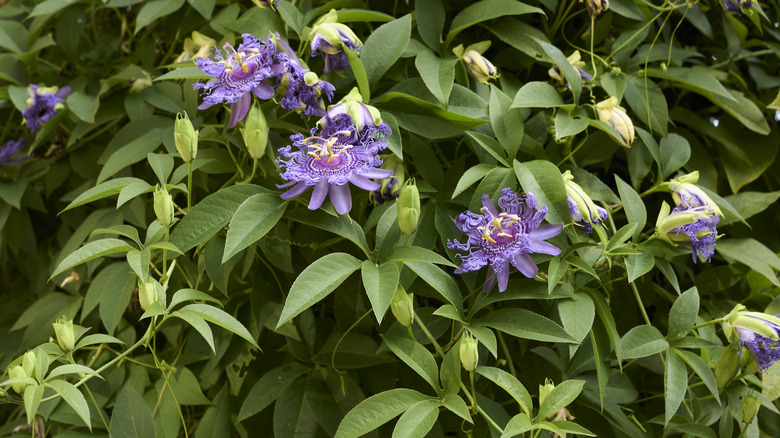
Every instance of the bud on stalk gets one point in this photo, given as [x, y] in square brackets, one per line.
[63, 329]
[402, 307]
[469, 353]
[408, 205]
[186, 137]
[163, 206]
[255, 133]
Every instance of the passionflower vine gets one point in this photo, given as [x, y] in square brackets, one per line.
[506, 237]
[238, 72]
[758, 332]
[9, 149]
[329, 39]
[584, 212]
[330, 160]
[694, 227]
[43, 103]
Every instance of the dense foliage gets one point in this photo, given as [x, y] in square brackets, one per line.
[306, 218]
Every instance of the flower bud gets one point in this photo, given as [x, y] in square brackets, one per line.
[575, 59]
[390, 187]
[479, 67]
[584, 211]
[402, 307]
[18, 371]
[28, 362]
[751, 403]
[408, 205]
[163, 206]
[609, 112]
[147, 293]
[255, 132]
[186, 137]
[329, 37]
[545, 390]
[726, 367]
[469, 352]
[63, 329]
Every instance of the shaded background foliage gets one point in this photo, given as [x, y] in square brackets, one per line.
[699, 84]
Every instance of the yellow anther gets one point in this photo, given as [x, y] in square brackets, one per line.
[344, 148]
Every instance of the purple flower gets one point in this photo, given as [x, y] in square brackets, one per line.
[594, 216]
[765, 350]
[43, 104]
[735, 6]
[329, 161]
[694, 227]
[238, 72]
[301, 89]
[9, 150]
[329, 39]
[504, 238]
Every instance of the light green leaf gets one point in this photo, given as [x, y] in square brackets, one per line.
[510, 384]
[376, 411]
[643, 341]
[417, 254]
[675, 384]
[633, 205]
[560, 397]
[72, 369]
[525, 324]
[490, 145]
[183, 295]
[385, 46]
[752, 253]
[537, 95]
[747, 112]
[675, 152]
[359, 71]
[569, 72]
[438, 74]
[90, 251]
[471, 176]
[155, 9]
[416, 357]
[73, 397]
[566, 126]
[199, 324]
[252, 220]
[418, 420]
[683, 314]
[101, 191]
[440, 281]
[544, 180]
[83, 106]
[222, 319]
[518, 425]
[577, 315]
[700, 367]
[132, 152]
[381, 282]
[341, 225]
[132, 417]
[98, 338]
[486, 10]
[184, 73]
[639, 264]
[507, 122]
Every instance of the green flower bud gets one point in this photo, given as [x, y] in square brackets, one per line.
[402, 306]
[408, 205]
[63, 329]
[726, 367]
[255, 133]
[611, 113]
[545, 390]
[469, 352]
[186, 137]
[335, 34]
[163, 206]
[479, 67]
[750, 406]
[28, 362]
[18, 371]
[147, 293]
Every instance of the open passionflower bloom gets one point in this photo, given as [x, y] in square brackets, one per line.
[504, 238]
[43, 103]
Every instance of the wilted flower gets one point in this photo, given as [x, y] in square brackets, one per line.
[584, 211]
[63, 329]
[687, 195]
[9, 149]
[479, 67]
[199, 46]
[609, 112]
[758, 332]
[596, 7]
[504, 238]
[468, 352]
[390, 187]
[185, 137]
[43, 104]
[329, 38]
[402, 306]
[691, 227]
[408, 206]
[329, 161]
[575, 59]
[238, 72]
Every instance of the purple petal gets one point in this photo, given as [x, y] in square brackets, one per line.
[363, 182]
[341, 198]
[377, 173]
[503, 277]
[487, 203]
[546, 231]
[319, 194]
[239, 109]
[295, 191]
[525, 265]
[263, 91]
[205, 105]
[490, 280]
[63, 92]
[542, 247]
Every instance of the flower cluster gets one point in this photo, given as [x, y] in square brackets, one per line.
[43, 104]
[247, 69]
[329, 38]
[344, 151]
[506, 237]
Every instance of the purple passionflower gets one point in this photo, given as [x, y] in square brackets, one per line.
[238, 72]
[585, 223]
[765, 350]
[366, 118]
[301, 89]
[694, 227]
[329, 38]
[506, 237]
[9, 149]
[328, 161]
[735, 6]
[43, 104]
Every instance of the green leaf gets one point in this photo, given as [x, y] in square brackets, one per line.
[72, 369]
[507, 122]
[700, 367]
[537, 95]
[83, 106]
[430, 21]
[744, 205]
[471, 176]
[209, 215]
[292, 415]
[457, 406]
[183, 295]
[544, 180]
[639, 264]
[132, 152]
[518, 425]
[204, 7]
[98, 338]
[566, 126]
[572, 76]
[74, 398]
[605, 315]
[132, 417]
[510, 384]
[486, 10]
[490, 146]
[359, 71]
[675, 384]
[747, 112]
[155, 9]
[252, 220]
[417, 254]
[132, 190]
[560, 397]
[268, 388]
[90, 251]
[199, 324]
[356, 15]
[577, 315]
[113, 290]
[162, 165]
[643, 341]
[385, 46]
[12, 193]
[621, 236]
[32, 401]
[698, 79]
[440, 281]
[376, 411]
[555, 272]
[633, 205]
[675, 152]
[423, 117]
[525, 324]
[380, 282]
[647, 101]
[417, 357]
[683, 314]
[184, 73]
[752, 253]
[438, 74]
[220, 318]
[316, 282]
[101, 191]
[418, 420]
[342, 225]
